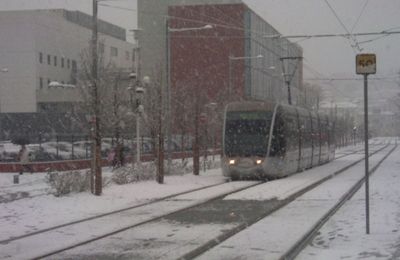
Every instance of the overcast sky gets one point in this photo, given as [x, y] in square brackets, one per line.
[327, 57]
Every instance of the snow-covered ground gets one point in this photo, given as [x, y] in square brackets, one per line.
[273, 236]
[342, 237]
[40, 210]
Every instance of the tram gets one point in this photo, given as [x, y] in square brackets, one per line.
[265, 140]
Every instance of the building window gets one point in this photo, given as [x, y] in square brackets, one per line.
[62, 62]
[74, 72]
[55, 61]
[68, 63]
[127, 55]
[114, 52]
[40, 57]
[40, 82]
[101, 47]
[48, 60]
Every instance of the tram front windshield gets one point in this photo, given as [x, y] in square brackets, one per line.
[246, 133]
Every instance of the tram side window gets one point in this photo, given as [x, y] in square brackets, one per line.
[315, 132]
[306, 132]
[324, 133]
[278, 144]
[292, 132]
[331, 131]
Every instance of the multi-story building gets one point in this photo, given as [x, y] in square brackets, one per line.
[42, 46]
[221, 46]
[43, 54]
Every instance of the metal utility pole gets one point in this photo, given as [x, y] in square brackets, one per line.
[366, 152]
[365, 65]
[168, 71]
[96, 137]
[160, 152]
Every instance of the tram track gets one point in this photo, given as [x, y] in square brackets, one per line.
[5, 241]
[143, 222]
[286, 202]
[216, 240]
[139, 211]
[302, 243]
[280, 248]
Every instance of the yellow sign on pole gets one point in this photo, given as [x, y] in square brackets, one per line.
[366, 64]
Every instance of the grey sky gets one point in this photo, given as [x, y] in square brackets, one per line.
[323, 57]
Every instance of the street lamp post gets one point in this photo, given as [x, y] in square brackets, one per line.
[168, 72]
[138, 110]
[231, 59]
[3, 70]
[287, 75]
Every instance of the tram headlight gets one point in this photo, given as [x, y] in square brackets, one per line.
[232, 162]
[258, 162]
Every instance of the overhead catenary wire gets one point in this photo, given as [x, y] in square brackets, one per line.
[347, 35]
[356, 45]
[359, 16]
[349, 79]
[320, 76]
[386, 32]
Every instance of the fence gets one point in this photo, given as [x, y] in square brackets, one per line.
[46, 148]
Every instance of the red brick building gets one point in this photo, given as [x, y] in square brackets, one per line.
[200, 58]
[224, 61]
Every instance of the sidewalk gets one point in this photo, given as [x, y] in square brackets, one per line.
[344, 236]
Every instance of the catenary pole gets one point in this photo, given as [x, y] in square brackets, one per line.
[169, 117]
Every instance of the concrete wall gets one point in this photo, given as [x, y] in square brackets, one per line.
[17, 56]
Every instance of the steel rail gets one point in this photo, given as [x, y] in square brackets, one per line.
[6, 241]
[111, 212]
[221, 238]
[191, 254]
[307, 238]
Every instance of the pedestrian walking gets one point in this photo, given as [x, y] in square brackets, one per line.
[24, 157]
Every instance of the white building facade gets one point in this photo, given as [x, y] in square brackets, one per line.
[42, 46]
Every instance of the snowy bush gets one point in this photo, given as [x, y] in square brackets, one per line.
[62, 183]
[183, 167]
[129, 174]
[211, 164]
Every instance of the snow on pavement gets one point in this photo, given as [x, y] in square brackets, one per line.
[344, 236]
[28, 215]
[45, 243]
[273, 236]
